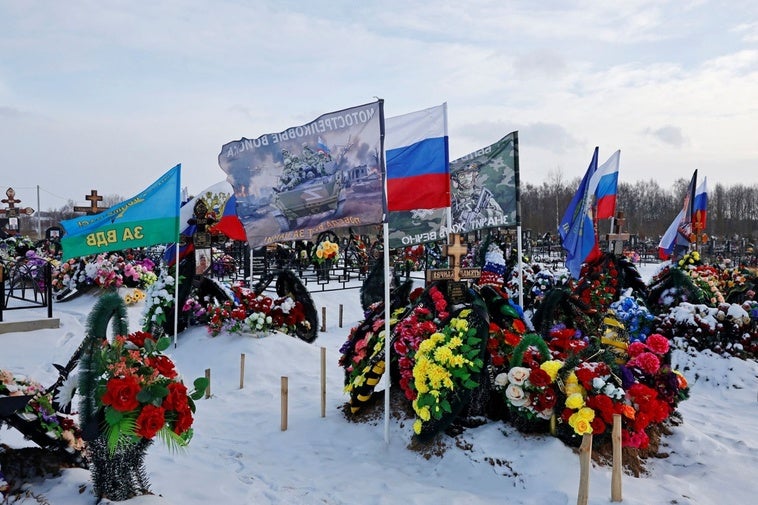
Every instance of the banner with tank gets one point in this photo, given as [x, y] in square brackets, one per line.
[307, 179]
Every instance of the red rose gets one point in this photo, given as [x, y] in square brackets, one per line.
[539, 378]
[138, 338]
[176, 398]
[602, 404]
[121, 394]
[150, 421]
[183, 420]
[598, 426]
[498, 360]
[164, 365]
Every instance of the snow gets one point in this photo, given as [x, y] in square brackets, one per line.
[241, 455]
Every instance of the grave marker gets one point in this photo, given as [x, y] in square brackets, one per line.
[92, 209]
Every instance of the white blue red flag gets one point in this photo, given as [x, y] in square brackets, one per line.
[679, 234]
[604, 185]
[416, 147]
[577, 229]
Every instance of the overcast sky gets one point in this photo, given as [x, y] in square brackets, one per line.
[108, 95]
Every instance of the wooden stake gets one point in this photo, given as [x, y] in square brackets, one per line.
[616, 472]
[323, 318]
[585, 455]
[208, 376]
[323, 381]
[242, 370]
[285, 394]
[340, 322]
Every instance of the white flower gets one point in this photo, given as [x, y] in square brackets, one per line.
[501, 380]
[598, 383]
[516, 396]
[518, 375]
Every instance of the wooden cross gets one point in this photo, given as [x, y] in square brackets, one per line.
[616, 238]
[455, 251]
[12, 211]
[93, 197]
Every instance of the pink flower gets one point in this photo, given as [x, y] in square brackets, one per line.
[636, 348]
[657, 343]
[647, 362]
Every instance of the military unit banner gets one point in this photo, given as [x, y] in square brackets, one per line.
[150, 218]
[307, 179]
[485, 187]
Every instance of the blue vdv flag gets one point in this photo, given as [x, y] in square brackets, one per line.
[577, 229]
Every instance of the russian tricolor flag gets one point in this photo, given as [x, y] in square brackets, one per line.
[416, 147]
[697, 210]
[604, 184]
[700, 207]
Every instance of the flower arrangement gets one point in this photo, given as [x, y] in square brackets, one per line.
[139, 273]
[727, 330]
[564, 341]
[707, 278]
[530, 392]
[446, 363]
[141, 394]
[134, 296]
[57, 426]
[222, 264]
[691, 258]
[326, 250]
[636, 318]
[424, 319]
[255, 313]
[598, 285]
[592, 398]
[159, 300]
[104, 271]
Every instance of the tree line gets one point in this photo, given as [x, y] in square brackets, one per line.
[648, 208]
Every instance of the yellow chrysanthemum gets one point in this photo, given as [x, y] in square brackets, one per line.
[424, 414]
[426, 346]
[437, 338]
[443, 354]
[417, 426]
[437, 375]
[572, 379]
[455, 343]
[458, 361]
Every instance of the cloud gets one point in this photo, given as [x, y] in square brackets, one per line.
[671, 135]
[9, 112]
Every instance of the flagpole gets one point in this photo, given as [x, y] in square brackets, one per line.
[176, 262]
[387, 313]
[176, 293]
[519, 249]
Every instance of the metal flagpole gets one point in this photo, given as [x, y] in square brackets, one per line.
[387, 346]
[176, 295]
[520, 266]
